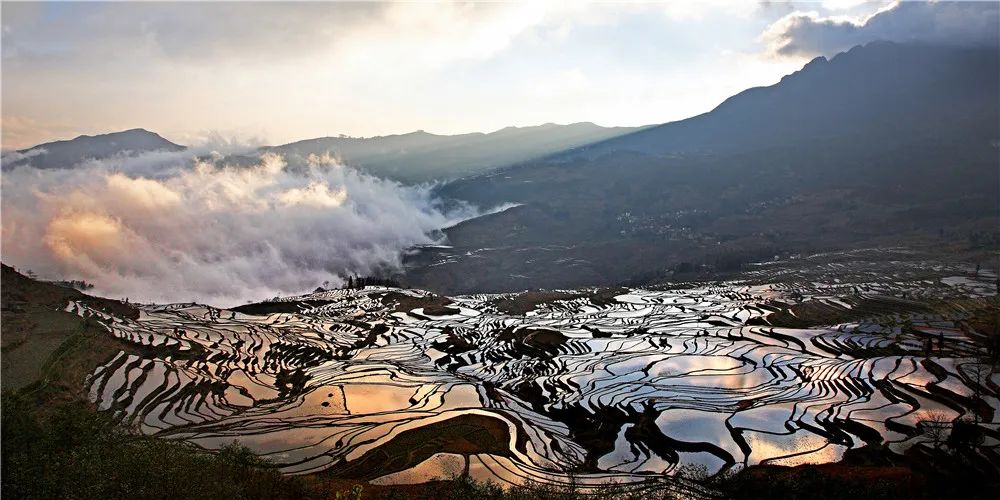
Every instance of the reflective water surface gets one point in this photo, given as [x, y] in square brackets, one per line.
[635, 385]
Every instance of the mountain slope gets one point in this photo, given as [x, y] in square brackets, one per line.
[883, 145]
[421, 156]
[881, 89]
[64, 154]
[410, 158]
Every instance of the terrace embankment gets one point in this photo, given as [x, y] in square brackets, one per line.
[588, 387]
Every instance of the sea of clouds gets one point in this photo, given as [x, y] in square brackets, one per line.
[192, 226]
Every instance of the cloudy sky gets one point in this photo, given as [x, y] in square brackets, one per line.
[279, 72]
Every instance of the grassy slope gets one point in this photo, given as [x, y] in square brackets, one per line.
[36, 332]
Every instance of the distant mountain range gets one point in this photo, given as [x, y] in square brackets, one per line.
[410, 158]
[421, 156]
[878, 90]
[885, 144]
[63, 154]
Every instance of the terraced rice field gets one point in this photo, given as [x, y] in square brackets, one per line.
[399, 386]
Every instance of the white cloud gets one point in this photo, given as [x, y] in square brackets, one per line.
[179, 229]
[15, 156]
[950, 23]
[684, 10]
[842, 4]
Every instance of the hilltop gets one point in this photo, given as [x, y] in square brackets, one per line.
[67, 153]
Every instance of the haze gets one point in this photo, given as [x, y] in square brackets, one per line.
[278, 72]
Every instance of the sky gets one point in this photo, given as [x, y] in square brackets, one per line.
[223, 77]
[273, 73]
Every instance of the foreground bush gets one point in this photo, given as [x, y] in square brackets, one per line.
[75, 452]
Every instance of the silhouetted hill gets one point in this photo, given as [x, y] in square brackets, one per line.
[883, 145]
[410, 158]
[421, 156]
[64, 154]
[881, 89]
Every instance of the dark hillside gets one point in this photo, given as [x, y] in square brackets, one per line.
[853, 152]
[65, 154]
[421, 157]
[881, 91]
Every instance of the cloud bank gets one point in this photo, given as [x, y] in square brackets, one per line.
[948, 23]
[170, 227]
[10, 157]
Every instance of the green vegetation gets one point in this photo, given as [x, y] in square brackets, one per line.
[75, 452]
[55, 445]
[464, 488]
[363, 281]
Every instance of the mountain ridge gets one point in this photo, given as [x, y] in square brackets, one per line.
[421, 156]
[859, 80]
[412, 157]
[885, 144]
[69, 152]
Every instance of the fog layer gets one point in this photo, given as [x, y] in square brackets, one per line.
[170, 227]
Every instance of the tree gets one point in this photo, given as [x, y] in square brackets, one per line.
[935, 426]
[978, 371]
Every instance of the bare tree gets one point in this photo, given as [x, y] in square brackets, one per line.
[935, 426]
[978, 372]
